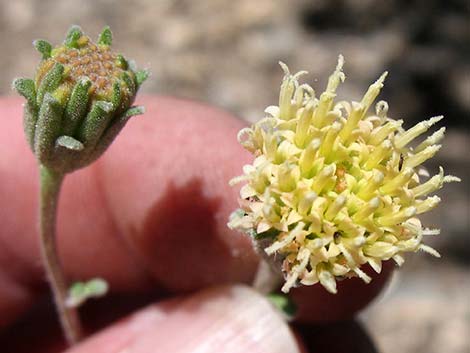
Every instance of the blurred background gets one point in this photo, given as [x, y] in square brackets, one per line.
[226, 53]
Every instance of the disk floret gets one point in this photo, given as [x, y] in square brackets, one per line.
[332, 187]
[96, 62]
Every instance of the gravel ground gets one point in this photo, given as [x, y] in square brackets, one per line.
[226, 53]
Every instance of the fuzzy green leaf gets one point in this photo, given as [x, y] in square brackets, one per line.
[26, 88]
[106, 36]
[50, 81]
[74, 33]
[77, 289]
[30, 117]
[95, 123]
[129, 82]
[44, 47]
[141, 76]
[133, 111]
[77, 106]
[97, 287]
[69, 143]
[116, 97]
[283, 303]
[79, 292]
[47, 128]
[122, 62]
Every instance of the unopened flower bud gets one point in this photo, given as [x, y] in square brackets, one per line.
[79, 100]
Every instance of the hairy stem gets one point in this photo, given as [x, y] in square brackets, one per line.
[266, 279]
[50, 189]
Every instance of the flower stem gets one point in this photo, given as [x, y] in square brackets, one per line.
[51, 182]
[266, 279]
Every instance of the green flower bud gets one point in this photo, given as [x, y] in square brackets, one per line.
[79, 101]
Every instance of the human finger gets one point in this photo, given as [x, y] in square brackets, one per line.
[232, 319]
[151, 212]
[125, 222]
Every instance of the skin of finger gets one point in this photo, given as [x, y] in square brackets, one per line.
[20, 264]
[164, 185]
[234, 319]
[151, 212]
[86, 218]
[173, 198]
[17, 214]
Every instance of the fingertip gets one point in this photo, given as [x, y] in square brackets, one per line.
[166, 183]
[232, 319]
[151, 212]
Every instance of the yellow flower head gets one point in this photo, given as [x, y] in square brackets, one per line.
[332, 187]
